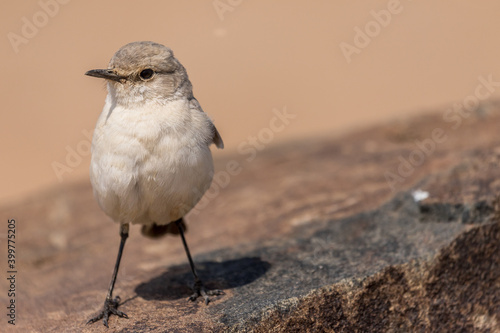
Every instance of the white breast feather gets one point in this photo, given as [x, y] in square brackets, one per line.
[151, 164]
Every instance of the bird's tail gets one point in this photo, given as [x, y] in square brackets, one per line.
[157, 231]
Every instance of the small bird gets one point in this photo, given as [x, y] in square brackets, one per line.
[151, 162]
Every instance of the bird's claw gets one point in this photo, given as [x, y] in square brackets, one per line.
[110, 307]
[200, 291]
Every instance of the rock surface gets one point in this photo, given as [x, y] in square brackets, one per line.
[312, 236]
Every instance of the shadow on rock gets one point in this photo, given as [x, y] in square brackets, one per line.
[176, 282]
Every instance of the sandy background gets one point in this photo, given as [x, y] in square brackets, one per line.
[243, 62]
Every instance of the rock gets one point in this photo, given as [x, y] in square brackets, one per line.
[457, 291]
[323, 234]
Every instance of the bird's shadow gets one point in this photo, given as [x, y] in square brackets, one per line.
[176, 282]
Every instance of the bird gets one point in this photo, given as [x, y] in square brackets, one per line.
[151, 160]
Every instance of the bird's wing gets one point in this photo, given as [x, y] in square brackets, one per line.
[216, 138]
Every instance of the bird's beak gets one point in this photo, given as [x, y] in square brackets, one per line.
[107, 74]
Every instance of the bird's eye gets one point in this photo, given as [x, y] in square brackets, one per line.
[146, 74]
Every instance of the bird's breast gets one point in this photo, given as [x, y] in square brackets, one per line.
[150, 165]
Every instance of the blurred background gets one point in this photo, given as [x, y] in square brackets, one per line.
[335, 65]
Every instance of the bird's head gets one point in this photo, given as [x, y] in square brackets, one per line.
[141, 72]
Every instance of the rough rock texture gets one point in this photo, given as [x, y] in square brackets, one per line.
[312, 236]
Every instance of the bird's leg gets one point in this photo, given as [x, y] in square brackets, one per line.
[198, 288]
[111, 304]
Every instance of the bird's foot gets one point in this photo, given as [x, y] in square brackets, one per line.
[110, 307]
[200, 291]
